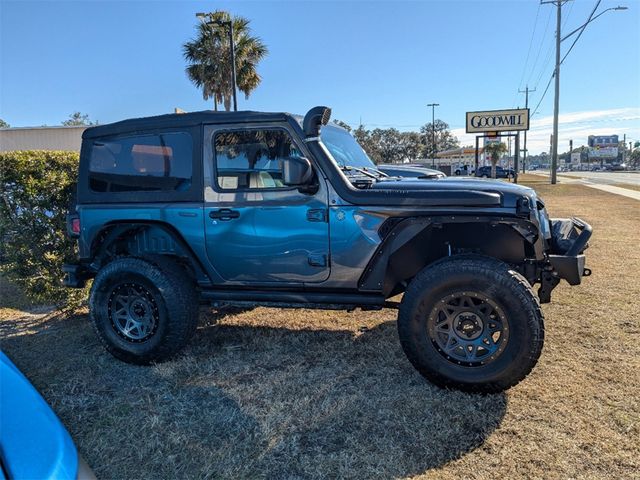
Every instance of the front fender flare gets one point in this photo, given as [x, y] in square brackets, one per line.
[377, 276]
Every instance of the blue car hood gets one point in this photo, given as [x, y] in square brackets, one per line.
[33, 441]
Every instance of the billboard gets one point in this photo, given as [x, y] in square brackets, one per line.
[603, 146]
[603, 140]
[603, 152]
[498, 120]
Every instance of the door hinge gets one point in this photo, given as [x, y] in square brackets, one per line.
[317, 215]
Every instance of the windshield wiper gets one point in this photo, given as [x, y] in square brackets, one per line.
[379, 172]
[364, 171]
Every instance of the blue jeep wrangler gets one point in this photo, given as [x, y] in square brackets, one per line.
[272, 209]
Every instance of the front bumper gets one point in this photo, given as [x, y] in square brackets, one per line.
[570, 239]
[566, 259]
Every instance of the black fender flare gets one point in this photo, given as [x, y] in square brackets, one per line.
[166, 241]
[376, 278]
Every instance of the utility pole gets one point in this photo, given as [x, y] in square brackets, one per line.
[556, 102]
[556, 71]
[433, 130]
[526, 105]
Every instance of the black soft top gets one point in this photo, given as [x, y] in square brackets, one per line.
[182, 120]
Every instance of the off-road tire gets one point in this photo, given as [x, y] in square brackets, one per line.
[167, 288]
[491, 279]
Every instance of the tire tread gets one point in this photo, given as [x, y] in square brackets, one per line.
[180, 297]
[499, 272]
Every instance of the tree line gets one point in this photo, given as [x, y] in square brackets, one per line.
[76, 119]
[389, 145]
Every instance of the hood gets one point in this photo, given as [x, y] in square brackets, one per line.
[509, 192]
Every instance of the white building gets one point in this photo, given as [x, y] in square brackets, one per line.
[460, 156]
[41, 138]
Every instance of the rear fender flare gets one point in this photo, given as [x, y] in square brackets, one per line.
[144, 238]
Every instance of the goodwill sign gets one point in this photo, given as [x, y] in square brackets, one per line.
[498, 120]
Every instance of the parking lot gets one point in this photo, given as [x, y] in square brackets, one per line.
[276, 393]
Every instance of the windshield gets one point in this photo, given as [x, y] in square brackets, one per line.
[344, 149]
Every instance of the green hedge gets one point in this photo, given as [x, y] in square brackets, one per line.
[37, 191]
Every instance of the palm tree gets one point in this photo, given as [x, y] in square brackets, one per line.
[209, 63]
[495, 150]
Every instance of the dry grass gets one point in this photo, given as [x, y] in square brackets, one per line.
[310, 394]
[629, 186]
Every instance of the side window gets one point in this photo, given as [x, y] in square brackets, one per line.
[142, 163]
[252, 159]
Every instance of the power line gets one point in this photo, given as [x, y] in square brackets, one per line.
[533, 33]
[544, 35]
[535, 110]
[545, 64]
[566, 18]
[565, 56]
[548, 56]
[581, 31]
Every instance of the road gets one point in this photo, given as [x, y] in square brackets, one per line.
[612, 182]
[605, 178]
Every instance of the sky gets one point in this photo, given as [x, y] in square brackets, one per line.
[374, 62]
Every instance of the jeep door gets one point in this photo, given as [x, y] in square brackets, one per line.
[258, 230]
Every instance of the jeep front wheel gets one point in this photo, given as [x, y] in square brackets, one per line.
[471, 323]
[143, 310]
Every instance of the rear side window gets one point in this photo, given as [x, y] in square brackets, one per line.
[142, 163]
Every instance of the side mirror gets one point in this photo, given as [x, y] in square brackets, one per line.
[296, 171]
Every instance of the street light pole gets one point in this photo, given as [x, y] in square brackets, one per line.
[433, 131]
[233, 67]
[232, 49]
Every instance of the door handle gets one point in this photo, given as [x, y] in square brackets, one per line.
[317, 215]
[224, 214]
[317, 260]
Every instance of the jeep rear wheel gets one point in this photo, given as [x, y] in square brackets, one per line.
[143, 310]
[470, 322]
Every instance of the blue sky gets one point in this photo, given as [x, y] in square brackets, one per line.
[375, 62]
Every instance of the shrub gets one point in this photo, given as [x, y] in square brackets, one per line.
[37, 190]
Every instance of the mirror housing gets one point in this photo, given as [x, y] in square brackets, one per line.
[296, 171]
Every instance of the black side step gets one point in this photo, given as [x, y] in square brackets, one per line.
[337, 301]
